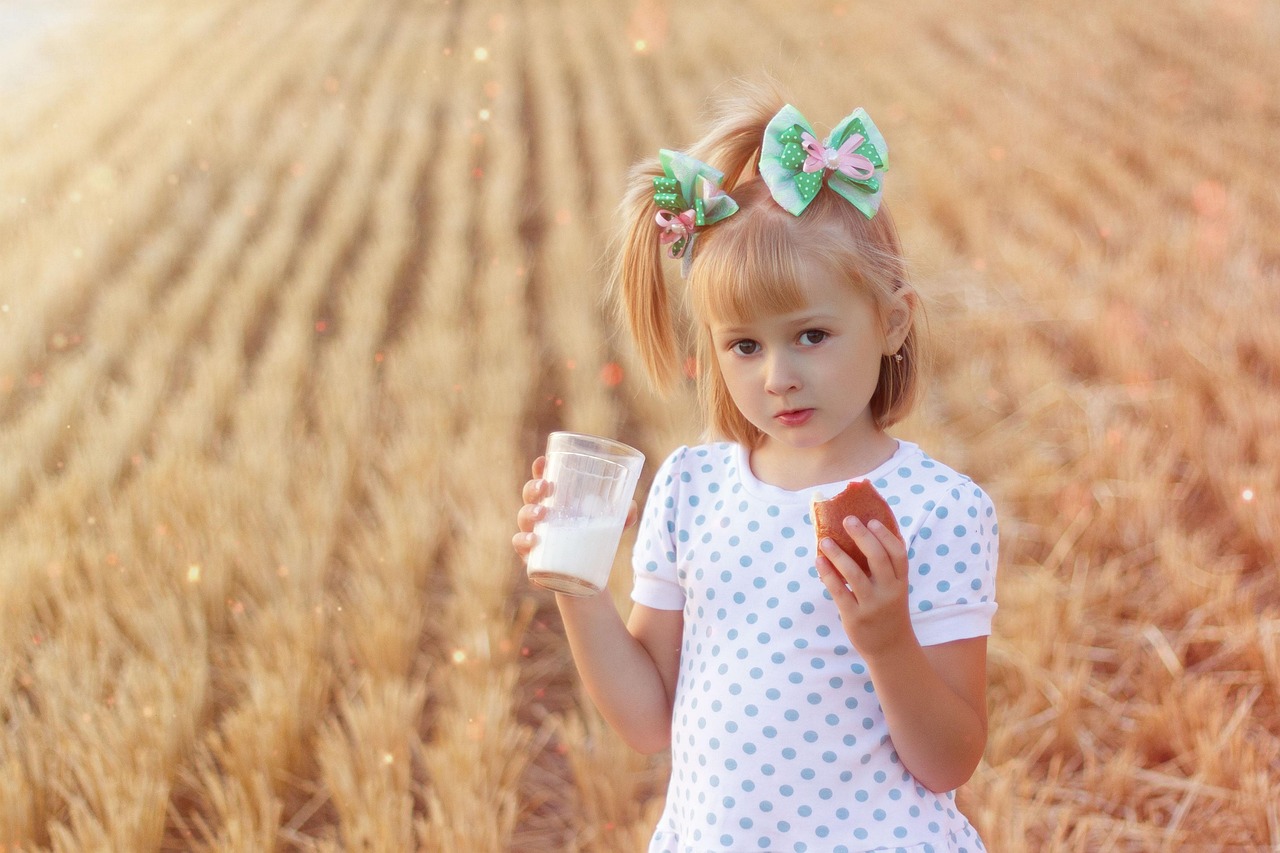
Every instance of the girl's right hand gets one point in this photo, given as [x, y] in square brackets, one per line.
[533, 511]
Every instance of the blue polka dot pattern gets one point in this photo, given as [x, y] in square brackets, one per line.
[778, 742]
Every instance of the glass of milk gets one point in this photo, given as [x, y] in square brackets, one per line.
[591, 482]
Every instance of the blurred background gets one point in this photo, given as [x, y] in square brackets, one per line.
[291, 293]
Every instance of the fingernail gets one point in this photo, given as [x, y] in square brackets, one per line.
[875, 525]
[853, 521]
[538, 484]
[827, 543]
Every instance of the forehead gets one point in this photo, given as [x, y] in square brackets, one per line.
[823, 301]
[807, 291]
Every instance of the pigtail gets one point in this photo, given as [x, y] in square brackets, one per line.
[638, 286]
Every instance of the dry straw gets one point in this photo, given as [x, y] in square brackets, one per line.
[291, 293]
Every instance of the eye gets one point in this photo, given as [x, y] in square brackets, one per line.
[812, 337]
[744, 347]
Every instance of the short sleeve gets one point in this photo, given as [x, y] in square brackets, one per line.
[953, 559]
[653, 560]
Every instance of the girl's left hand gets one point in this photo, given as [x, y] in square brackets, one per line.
[873, 605]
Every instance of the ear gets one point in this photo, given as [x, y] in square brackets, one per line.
[899, 317]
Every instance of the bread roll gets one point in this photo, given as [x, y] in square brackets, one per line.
[859, 499]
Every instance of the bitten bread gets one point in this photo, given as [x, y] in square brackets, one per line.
[859, 499]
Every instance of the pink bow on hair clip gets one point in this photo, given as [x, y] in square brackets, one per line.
[676, 228]
[850, 161]
[846, 160]
[689, 197]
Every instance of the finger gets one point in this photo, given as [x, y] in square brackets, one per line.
[829, 574]
[844, 598]
[529, 515]
[539, 467]
[633, 513]
[523, 543]
[879, 564]
[894, 547]
[848, 572]
[534, 491]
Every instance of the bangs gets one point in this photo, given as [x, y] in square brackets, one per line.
[756, 262]
[747, 269]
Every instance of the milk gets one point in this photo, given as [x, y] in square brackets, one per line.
[574, 555]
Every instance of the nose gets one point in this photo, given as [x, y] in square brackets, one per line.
[781, 377]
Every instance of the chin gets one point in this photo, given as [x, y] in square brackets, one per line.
[799, 439]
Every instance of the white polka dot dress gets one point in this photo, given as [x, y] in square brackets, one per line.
[778, 742]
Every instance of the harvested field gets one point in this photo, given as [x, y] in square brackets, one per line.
[290, 293]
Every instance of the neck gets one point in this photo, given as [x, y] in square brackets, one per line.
[797, 468]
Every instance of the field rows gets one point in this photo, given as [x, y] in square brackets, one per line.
[291, 294]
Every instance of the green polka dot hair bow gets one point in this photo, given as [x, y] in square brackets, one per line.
[690, 198]
[851, 160]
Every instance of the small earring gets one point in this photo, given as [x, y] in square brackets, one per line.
[897, 356]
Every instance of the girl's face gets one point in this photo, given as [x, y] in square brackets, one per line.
[804, 378]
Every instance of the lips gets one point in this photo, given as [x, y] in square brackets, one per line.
[794, 417]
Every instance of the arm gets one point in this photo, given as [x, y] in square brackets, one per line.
[934, 698]
[630, 669]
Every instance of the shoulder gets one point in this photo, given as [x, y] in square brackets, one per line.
[934, 501]
[937, 483]
[697, 464]
[949, 524]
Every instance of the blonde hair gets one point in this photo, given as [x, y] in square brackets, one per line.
[753, 263]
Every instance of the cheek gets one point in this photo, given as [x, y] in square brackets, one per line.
[856, 370]
[737, 380]
[730, 374]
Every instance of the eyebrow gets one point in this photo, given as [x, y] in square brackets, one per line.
[815, 320]
[803, 320]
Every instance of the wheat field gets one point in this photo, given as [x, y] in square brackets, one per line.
[291, 293]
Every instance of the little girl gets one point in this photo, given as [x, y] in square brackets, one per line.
[808, 705]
